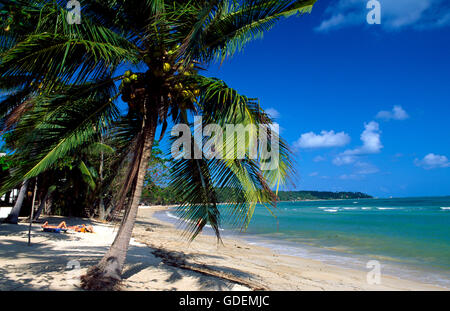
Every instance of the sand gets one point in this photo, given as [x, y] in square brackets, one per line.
[159, 258]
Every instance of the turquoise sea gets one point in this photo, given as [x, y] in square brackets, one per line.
[410, 237]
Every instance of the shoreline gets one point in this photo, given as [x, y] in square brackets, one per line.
[271, 270]
[160, 258]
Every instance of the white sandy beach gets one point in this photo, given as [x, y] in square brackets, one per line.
[159, 259]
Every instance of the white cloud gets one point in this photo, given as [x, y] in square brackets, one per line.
[371, 140]
[323, 140]
[350, 177]
[313, 174]
[365, 168]
[362, 169]
[332, 22]
[395, 14]
[343, 159]
[319, 159]
[431, 161]
[273, 113]
[371, 145]
[397, 113]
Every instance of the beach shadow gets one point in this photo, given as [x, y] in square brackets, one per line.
[43, 264]
[21, 230]
[41, 271]
[180, 260]
[145, 224]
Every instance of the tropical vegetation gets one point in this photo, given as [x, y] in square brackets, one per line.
[63, 85]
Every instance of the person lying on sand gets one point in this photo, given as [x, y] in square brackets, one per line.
[81, 228]
[62, 225]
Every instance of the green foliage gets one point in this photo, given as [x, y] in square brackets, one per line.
[165, 195]
[320, 195]
[59, 98]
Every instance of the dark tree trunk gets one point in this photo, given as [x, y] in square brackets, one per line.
[7, 197]
[48, 206]
[105, 210]
[101, 205]
[13, 217]
[107, 274]
[41, 206]
[32, 211]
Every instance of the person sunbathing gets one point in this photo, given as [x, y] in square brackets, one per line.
[62, 225]
[81, 228]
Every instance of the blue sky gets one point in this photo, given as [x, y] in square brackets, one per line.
[365, 107]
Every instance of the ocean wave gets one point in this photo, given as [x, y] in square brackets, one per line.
[387, 208]
[445, 208]
[170, 215]
[330, 210]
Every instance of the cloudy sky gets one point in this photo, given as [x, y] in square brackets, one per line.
[364, 107]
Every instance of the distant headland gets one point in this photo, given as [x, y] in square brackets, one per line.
[320, 195]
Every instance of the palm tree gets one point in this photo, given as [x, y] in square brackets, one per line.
[63, 95]
[13, 217]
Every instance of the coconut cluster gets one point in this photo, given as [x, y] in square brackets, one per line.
[172, 76]
[133, 87]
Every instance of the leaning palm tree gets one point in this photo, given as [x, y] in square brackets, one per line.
[65, 81]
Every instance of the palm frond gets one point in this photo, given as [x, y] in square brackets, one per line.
[235, 23]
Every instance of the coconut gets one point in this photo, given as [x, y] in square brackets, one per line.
[134, 77]
[127, 73]
[167, 67]
[126, 80]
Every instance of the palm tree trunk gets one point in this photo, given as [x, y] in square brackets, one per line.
[32, 211]
[48, 205]
[101, 204]
[13, 217]
[107, 274]
[41, 206]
